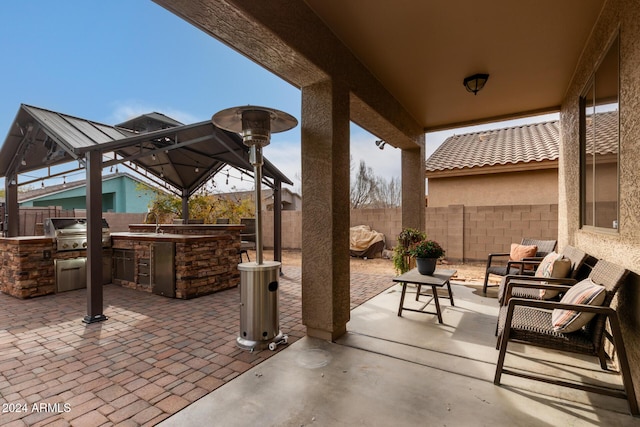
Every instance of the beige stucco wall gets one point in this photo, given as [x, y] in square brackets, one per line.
[498, 189]
[623, 246]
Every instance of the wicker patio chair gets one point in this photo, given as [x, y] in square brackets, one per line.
[529, 322]
[500, 264]
[579, 270]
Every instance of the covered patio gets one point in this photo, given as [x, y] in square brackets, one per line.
[400, 70]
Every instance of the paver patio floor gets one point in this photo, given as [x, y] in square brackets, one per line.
[151, 358]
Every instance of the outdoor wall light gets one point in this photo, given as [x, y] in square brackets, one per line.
[380, 143]
[475, 83]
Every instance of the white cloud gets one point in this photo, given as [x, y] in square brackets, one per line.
[128, 109]
[385, 163]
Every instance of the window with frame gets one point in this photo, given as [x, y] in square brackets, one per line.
[600, 144]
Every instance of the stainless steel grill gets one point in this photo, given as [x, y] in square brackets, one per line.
[70, 234]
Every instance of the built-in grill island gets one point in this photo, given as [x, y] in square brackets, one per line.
[173, 260]
[32, 266]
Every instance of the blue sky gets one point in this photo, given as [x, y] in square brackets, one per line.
[109, 61]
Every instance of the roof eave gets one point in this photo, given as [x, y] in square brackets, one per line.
[494, 169]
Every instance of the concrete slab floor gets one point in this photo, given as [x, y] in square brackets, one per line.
[407, 371]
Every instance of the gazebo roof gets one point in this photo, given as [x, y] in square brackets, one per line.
[184, 157]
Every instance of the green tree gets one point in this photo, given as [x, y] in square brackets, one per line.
[164, 207]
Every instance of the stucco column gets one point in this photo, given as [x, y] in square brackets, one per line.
[413, 188]
[325, 209]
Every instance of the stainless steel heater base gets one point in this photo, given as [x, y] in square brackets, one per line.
[259, 316]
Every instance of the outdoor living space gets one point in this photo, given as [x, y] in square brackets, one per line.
[176, 361]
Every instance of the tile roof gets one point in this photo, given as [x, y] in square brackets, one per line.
[607, 130]
[520, 144]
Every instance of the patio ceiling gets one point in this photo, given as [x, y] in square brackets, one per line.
[417, 51]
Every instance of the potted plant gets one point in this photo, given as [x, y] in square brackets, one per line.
[426, 252]
[402, 261]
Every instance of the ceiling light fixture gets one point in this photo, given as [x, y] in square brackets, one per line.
[380, 144]
[475, 83]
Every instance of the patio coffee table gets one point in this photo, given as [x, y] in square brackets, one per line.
[440, 278]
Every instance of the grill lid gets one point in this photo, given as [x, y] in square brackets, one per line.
[54, 227]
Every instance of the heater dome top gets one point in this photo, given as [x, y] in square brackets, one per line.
[248, 117]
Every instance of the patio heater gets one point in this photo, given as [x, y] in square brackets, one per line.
[259, 317]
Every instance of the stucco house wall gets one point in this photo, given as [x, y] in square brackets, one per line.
[516, 165]
[621, 246]
[496, 189]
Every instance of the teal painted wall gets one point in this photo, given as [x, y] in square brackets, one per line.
[119, 194]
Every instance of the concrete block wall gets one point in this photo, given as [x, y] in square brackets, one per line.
[385, 221]
[291, 229]
[120, 221]
[467, 233]
[486, 229]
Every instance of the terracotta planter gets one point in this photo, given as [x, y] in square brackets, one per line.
[426, 266]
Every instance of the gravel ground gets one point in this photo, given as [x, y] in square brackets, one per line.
[466, 272]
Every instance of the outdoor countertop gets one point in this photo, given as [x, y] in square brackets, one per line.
[26, 239]
[189, 226]
[168, 237]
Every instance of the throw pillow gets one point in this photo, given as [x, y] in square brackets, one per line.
[584, 292]
[552, 265]
[519, 252]
[545, 268]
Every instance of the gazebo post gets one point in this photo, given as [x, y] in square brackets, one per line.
[12, 212]
[185, 206]
[94, 237]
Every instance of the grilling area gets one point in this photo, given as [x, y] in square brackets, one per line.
[182, 260]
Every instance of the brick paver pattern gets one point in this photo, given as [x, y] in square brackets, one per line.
[151, 358]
